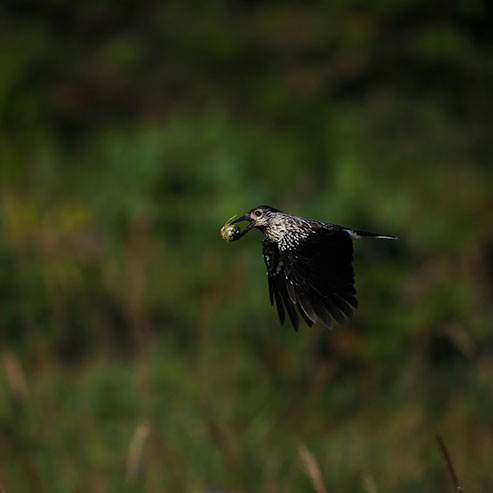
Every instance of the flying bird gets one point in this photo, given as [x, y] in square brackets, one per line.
[309, 264]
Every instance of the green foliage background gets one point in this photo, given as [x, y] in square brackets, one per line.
[129, 133]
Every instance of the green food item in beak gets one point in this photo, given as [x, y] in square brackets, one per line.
[232, 232]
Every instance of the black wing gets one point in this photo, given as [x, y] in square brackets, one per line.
[278, 291]
[315, 277]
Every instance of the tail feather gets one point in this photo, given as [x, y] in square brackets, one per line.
[364, 234]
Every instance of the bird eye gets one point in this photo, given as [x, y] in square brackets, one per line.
[258, 213]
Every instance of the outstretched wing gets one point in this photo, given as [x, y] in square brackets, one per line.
[278, 290]
[314, 276]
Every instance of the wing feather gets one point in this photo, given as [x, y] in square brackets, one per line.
[290, 307]
[280, 306]
[315, 277]
[320, 269]
[278, 287]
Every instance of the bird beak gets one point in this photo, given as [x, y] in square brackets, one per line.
[247, 229]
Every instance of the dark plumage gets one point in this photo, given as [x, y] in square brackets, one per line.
[309, 265]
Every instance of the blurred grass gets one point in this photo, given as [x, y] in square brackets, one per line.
[231, 421]
[139, 351]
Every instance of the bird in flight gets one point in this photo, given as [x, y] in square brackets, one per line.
[309, 264]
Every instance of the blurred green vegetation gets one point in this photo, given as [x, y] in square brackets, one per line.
[138, 350]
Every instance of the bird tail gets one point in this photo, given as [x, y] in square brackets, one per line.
[364, 234]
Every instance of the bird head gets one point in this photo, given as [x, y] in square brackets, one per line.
[258, 217]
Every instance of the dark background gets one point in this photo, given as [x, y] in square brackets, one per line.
[138, 350]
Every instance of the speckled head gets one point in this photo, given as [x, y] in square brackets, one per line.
[258, 217]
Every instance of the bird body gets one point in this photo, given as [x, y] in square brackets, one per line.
[309, 265]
